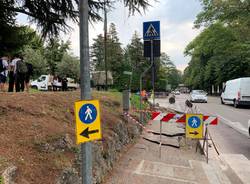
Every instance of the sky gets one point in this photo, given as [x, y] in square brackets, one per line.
[176, 18]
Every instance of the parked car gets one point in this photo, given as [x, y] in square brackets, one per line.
[44, 83]
[236, 92]
[177, 93]
[198, 96]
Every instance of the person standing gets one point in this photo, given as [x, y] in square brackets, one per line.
[21, 70]
[64, 84]
[12, 66]
[27, 75]
[3, 72]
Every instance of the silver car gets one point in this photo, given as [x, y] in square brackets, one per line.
[198, 96]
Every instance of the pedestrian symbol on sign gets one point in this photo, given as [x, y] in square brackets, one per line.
[88, 113]
[194, 122]
[151, 31]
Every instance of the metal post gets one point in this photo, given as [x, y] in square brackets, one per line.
[160, 137]
[207, 142]
[105, 45]
[141, 77]
[153, 69]
[86, 148]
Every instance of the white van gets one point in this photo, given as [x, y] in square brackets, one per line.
[44, 83]
[236, 92]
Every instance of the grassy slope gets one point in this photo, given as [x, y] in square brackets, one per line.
[29, 120]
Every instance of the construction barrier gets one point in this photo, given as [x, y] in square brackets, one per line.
[181, 118]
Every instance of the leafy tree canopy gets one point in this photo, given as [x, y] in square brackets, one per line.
[51, 15]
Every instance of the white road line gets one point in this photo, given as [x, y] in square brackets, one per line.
[139, 171]
[235, 125]
[139, 167]
[169, 178]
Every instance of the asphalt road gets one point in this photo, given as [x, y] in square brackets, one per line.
[231, 135]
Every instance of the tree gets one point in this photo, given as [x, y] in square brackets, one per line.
[114, 54]
[136, 61]
[221, 51]
[51, 16]
[13, 39]
[69, 67]
[167, 73]
[97, 54]
[217, 55]
[54, 52]
[36, 58]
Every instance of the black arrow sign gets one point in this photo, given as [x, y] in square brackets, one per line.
[195, 133]
[86, 132]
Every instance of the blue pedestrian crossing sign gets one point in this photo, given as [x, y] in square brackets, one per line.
[151, 30]
[88, 124]
[194, 126]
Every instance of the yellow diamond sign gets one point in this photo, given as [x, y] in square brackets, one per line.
[88, 124]
[194, 126]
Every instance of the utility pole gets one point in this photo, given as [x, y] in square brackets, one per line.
[105, 45]
[86, 148]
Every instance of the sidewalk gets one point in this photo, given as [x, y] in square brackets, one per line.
[236, 166]
[142, 163]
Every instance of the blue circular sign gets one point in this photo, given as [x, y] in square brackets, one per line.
[88, 113]
[194, 122]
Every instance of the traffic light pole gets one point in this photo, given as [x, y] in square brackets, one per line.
[86, 148]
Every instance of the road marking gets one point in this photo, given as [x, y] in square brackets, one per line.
[139, 171]
[139, 167]
[235, 125]
[235, 110]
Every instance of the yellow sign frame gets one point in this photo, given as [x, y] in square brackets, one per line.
[194, 133]
[87, 132]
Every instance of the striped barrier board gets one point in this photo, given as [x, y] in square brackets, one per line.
[181, 118]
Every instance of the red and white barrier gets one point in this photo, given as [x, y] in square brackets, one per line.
[137, 122]
[181, 118]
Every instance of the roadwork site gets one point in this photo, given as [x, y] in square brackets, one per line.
[38, 145]
[175, 162]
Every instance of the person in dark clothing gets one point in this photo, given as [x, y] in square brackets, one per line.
[21, 70]
[28, 74]
[64, 84]
[12, 68]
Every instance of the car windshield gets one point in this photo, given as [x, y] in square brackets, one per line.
[198, 92]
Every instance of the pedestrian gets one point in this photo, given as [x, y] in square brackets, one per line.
[11, 76]
[54, 83]
[64, 84]
[28, 74]
[3, 72]
[21, 70]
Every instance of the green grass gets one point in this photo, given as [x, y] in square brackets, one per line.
[32, 90]
[135, 102]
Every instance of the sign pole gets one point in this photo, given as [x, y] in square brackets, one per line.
[153, 69]
[86, 148]
[160, 137]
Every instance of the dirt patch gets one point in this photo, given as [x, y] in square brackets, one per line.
[34, 126]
